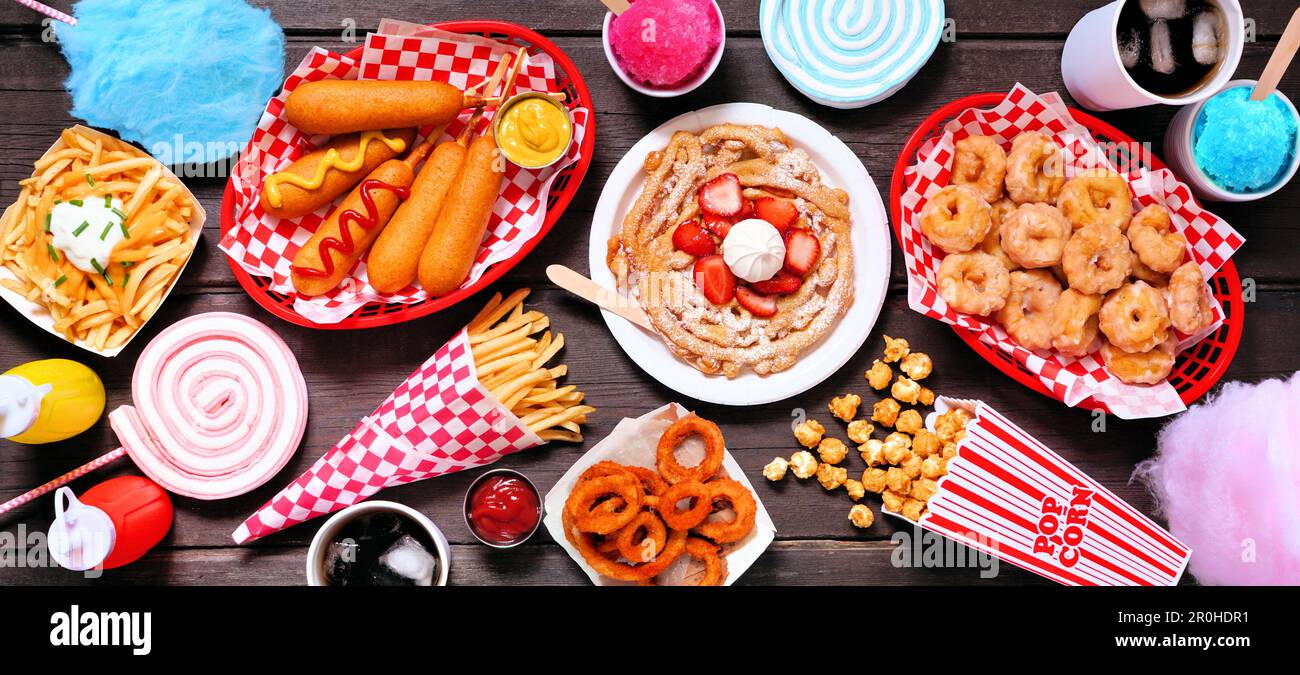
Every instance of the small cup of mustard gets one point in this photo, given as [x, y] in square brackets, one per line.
[533, 130]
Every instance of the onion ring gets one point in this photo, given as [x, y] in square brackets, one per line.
[632, 539]
[583, 504]
[715, 566]
[714, 448]
[613, 569]
[679, 519]
[742, 502]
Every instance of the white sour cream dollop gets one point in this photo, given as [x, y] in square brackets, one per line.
[87, 230]
[754, 250]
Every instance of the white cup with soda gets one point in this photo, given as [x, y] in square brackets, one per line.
[1134, 53]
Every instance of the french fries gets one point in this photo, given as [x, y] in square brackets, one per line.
[101, 311]
[511, 364]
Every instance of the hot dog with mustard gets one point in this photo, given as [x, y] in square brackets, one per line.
[321, 176]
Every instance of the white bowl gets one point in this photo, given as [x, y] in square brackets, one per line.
[1181, 156]
[690, 84]
[316, 552]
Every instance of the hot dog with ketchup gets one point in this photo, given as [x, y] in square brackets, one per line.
[331, 253]
[453, 246]
[395, 258]
[321, 176]
[346, 106]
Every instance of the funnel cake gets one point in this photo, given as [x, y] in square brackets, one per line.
[724, 324]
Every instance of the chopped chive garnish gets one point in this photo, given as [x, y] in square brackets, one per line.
[126, 234]
[49, 219]
[90, 180]
[108, 201]
[127, 263]
[76, 202]
[59, 282]
[104, 235]
[58, 201]
[81, 228]
[54, 255]
[119, 214]
[100, 268]
[126, 279]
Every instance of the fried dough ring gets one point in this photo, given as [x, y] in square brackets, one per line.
[714, 449]
[742, 502]
[956, 219]
[1097, 197]
[981, 164]
[684, 519]
[1030, 308]
[1097, 259]
[631, 540]
[1189, 305]
[1074, 323]
[1155, 241]
[974, 283]
[1149, 367]
[1035, 172]
[583, 504]
[1034, 235]
[587, 548]
[1135, 318]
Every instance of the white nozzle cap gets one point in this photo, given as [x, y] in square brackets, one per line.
[20, 404]
[81, 536]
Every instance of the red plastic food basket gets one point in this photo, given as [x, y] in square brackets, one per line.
[375, 314]
[1198, 368]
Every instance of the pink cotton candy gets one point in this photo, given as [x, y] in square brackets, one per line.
[1227, 478]
[663, 43]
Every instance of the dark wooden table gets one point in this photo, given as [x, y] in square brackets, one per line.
[999, 42]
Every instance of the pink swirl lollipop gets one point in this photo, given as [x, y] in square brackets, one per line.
[220, 407]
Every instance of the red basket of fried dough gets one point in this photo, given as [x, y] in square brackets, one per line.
[1066, 254]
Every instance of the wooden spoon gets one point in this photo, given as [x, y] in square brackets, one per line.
[596, 294]
[1281, 59]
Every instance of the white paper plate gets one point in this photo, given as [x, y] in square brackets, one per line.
[871, 249]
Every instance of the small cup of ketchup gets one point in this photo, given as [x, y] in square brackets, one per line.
[502, 508]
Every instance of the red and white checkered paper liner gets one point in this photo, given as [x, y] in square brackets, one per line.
[1009, 495]
[1212, 241]
[439, 421]
[264, 246]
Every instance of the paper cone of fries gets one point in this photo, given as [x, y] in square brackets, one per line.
[440, 420]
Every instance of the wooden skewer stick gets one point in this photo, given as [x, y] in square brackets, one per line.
[1281, 59]
[617, 6]
[598, 295]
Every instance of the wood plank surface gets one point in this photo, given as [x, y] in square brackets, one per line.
[1000, 42]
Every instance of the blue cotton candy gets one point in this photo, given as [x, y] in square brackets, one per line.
[1242, 145]
[187, 79]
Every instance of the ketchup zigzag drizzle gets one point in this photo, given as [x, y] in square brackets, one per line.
[345, 245]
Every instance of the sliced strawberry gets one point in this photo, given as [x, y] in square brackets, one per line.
[759, 305]
[722, 196]
[784, 283]
[746, 211]
[693, 239]
[718, 226]
[781, 213]
[715, 279]
[801, 251]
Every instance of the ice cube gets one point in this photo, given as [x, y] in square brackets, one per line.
[339, 558]
[1162, 49]
[1205, 38]
[1130, 48]
[406, 563]
[1164, 9]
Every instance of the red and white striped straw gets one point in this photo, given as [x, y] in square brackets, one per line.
[50, 12]
[61, 480]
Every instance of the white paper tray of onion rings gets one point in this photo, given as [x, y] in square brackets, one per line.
[633, 443]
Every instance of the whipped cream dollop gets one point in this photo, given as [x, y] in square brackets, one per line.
[754, 250]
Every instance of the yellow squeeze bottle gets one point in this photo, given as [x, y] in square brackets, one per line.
[49, 401]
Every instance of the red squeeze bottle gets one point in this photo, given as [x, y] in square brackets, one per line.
[113, 524]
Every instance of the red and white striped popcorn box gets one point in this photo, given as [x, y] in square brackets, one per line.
[1009, 495]
[440, 420]
[264, 246]
[1211, 241]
